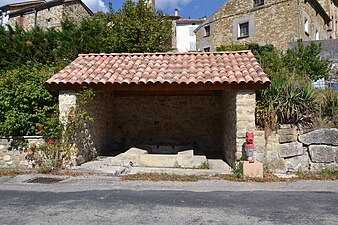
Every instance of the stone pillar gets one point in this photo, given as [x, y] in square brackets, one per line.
[67, 101]
[245, 117]
[229, 127]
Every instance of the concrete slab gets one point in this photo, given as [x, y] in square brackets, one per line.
[253, 169]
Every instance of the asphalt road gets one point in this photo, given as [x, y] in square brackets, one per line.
[109, 201]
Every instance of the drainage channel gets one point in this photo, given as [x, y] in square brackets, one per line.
[44, 180]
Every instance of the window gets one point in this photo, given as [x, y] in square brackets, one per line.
[192, 46]
[243, 30]
[257, 3]
[207, 31]
[206, 49]
[49, 23]
[317, 35]
[306, 26]
[191, 31]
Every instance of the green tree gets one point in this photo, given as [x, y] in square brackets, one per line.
[306, 61]
[136, 28]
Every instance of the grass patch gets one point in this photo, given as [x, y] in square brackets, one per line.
[324, 174]
[4, 172]
[162, 177]
[205, 166]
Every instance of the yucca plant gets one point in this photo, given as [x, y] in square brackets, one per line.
[287, 101]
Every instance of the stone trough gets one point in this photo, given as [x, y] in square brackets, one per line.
[141, 158]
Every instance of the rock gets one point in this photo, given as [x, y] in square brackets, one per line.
[7, 158]
[259, 149]
[336, 156]
[260, 157]
[287, 135]
[198, 160]
[321, 136]
[135, 151]
[272, 155]
[322, 153]
[318, 167]
[187, 152]
[291, 149]
[148, 160]
[298, 163]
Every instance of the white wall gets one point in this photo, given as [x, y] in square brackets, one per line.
[4, 19]
[183, 37]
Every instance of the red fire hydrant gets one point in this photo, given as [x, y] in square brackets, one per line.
[249, 145]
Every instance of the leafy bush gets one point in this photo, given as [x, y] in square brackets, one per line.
[305, 62]
[328, 104]
[61, 152]
[24, 100]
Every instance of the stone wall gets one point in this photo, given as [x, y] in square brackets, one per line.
[245, 118]
[274, 23]
[75, 12]
[12, 155]
[229, 127]
[52, 17]
[288, 151]
[122, 122]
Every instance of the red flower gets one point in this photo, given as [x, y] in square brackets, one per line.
[70, 113]
[33, 148]
[38, 127]
[25, 150]
[50, 142]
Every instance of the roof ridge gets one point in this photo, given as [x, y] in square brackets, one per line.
[163, 53]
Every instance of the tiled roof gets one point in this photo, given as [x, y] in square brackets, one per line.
[163, 68]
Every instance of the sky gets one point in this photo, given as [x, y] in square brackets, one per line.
[187, 8]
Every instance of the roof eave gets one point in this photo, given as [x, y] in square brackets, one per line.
[318, 7]
[156, 87]
[335, 2]
[47, 5]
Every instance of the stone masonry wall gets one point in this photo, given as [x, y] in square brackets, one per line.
[12, 155]
[75, 12]
[287, 151]
[157, 120]
[274, 23]
[245, 118]
[229, 126]
[52, 16]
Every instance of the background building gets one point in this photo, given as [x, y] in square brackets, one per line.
[276, 22]
[45, 14]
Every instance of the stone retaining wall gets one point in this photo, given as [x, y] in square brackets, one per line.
[288, 151]
[11, 155]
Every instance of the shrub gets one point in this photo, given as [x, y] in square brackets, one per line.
[328, 103]
[61, 152]
[24, 100]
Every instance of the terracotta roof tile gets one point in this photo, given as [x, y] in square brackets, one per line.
[181, 68]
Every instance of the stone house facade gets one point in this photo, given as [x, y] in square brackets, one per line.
[46, 14]
[274, 22]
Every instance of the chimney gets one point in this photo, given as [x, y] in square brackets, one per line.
[176, 12]
[150, 4]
